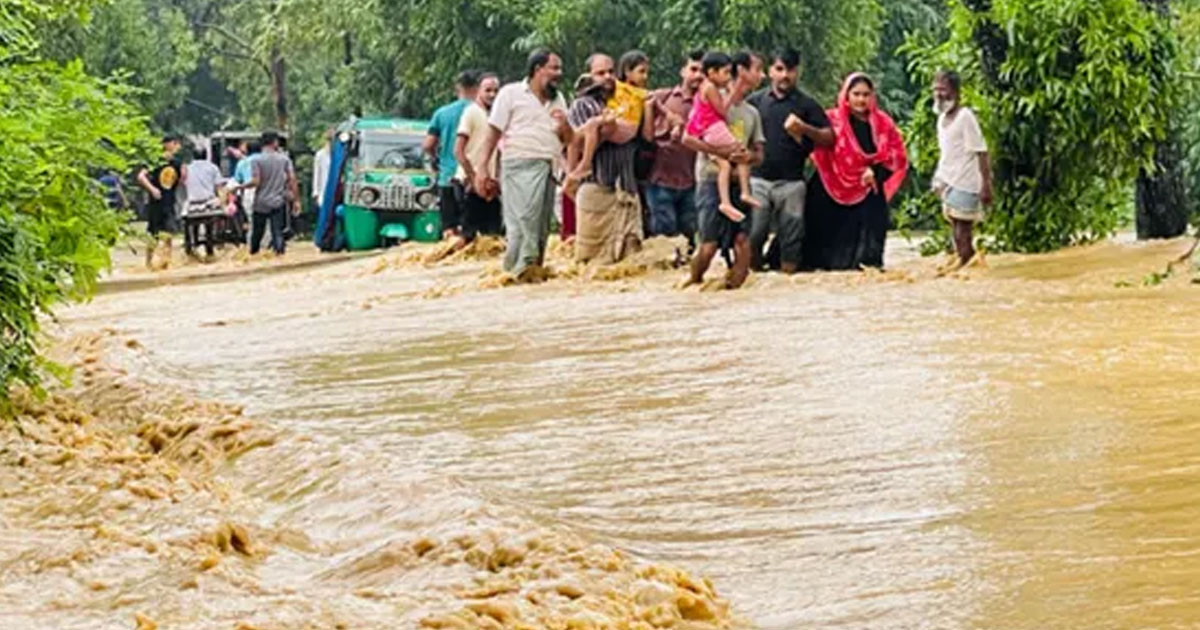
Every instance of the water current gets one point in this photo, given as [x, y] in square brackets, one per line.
[1012, 448]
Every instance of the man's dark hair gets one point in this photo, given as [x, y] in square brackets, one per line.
[789, 57]
[951, 78]
[169, 137]
[537, 60]
[696, 55]
[254, 148]
[715, 59]
[744, 60]
[200, 154]
[468, 79]
[270, 138]
[487, 74]
[629, 61]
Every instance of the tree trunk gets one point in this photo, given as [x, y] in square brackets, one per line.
[279, 85]
[1162, 204]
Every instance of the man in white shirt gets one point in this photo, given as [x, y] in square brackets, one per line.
[481, 208]
[204, 179]
[963, 179]
[321, 165]
[531, 116]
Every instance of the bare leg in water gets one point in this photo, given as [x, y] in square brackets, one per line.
[964, 240]
[741, 262]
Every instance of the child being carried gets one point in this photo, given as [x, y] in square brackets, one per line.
[709, 123]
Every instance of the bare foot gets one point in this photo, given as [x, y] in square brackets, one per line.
[686, 282]
[731, 212]
[749, 200]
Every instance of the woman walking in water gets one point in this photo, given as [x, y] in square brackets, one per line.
[847, 210]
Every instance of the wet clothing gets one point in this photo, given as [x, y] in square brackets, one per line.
[961, 205]
[450, 206]
[272, 169]
[846, 220]
[782, 212]
[841, 237]
[444, 125]
[608, 224]
[278, 221]
[527, 198]
[672, 210]
[715, 227]
[784, 159]
[480, 216]
[778, 183]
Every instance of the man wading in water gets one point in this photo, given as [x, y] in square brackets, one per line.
[716, 229]
[532, 118]
[963, 179]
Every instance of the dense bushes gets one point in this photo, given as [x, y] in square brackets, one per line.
[58, 129]
[1071, 97]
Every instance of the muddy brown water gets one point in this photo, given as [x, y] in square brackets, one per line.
[1013, 448]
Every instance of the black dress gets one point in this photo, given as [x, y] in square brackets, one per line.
[838, 237]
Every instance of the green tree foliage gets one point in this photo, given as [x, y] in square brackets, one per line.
[347, 55]
[148, 44]
[58, 127]
[1072, 100]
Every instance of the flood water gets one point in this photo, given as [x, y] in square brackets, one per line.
[1015, 448]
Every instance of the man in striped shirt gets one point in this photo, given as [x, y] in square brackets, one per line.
[607, 209]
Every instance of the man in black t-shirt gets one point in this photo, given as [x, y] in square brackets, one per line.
[793, 124]
[163, 183]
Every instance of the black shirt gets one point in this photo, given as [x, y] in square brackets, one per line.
[166, 177]
[784, 158]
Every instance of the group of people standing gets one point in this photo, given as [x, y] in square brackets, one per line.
[621, 148]
[262, 190]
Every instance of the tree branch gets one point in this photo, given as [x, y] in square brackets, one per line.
[227, 34]
[251, 58]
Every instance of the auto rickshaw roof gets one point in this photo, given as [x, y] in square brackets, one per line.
[247, 134]
[403, 125]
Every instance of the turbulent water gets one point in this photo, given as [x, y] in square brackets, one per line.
[1013, 447]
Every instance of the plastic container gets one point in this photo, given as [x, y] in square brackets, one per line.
[362, 228]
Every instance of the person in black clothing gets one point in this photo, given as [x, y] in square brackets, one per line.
[793, 124]
[162, 183]
[847, 218]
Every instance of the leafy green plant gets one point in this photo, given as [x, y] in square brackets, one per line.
[58, 128]
[1066, 92]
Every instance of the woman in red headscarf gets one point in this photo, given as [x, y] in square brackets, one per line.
[847, 214]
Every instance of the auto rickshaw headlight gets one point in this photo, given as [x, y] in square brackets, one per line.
[368, 196]
[426, 199]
